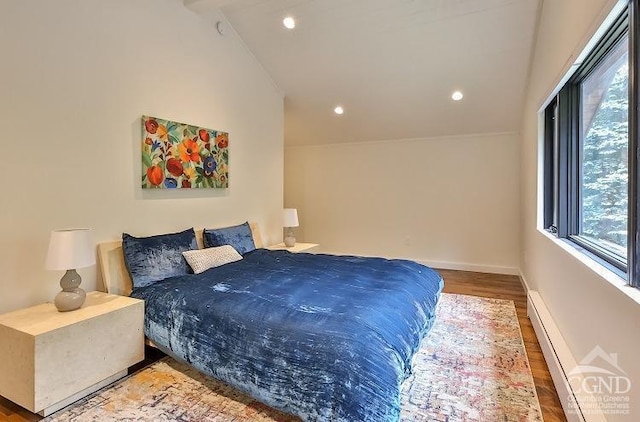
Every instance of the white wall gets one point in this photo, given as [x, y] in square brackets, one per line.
[75, 77]
[589, 310]
[451, 202]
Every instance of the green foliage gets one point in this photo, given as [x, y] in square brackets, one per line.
[605, 167]
[173, 138]
[146, 160]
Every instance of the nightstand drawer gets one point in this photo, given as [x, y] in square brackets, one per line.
[48, 357]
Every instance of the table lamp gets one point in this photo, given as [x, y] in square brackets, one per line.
[68, 250]
[290, 220]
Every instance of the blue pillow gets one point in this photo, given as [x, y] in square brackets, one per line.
[154, 258]
[239, 237]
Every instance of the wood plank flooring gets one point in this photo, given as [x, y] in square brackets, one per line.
[460, 282]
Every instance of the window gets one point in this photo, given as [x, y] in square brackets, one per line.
[604, 140]
[590, 152]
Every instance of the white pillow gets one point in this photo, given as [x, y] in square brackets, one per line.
[202, 259]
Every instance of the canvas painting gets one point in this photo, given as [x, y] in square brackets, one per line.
[178, 155]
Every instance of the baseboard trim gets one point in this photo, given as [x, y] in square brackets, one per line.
[492, 269]
[525, 284]
[443, 265]
[560, 361]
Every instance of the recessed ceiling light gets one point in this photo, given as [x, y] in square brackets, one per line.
[457, 96]
[289, 22]
[338, 110]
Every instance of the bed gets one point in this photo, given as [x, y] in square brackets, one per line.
[326, 338]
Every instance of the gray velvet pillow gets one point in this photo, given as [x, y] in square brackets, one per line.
[154, 258]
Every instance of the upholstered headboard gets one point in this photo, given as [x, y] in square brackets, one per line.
[114, 272]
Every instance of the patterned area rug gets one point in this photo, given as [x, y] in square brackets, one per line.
[471, 367]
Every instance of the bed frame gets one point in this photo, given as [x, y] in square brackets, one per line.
[115, 276]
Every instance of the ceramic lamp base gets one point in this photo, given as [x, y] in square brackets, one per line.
[289, 241]
[72, 296]
[289, 238]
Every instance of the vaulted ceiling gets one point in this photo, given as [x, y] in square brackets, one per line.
[391, 64]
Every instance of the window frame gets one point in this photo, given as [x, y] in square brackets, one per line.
[633, 242]
[562, 152]
[550, 213]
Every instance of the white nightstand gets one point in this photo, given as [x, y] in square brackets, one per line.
[298, 247]
[49, 359]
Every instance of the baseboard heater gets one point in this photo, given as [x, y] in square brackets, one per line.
[560, 361]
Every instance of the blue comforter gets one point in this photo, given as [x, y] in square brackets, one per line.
[327, 338]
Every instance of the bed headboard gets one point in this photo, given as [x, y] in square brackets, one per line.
[114, 272]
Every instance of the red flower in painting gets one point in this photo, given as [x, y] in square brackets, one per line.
[186, 183]
[151, 126]
[204, 135]
[222, 140]
[174, 166]
[189, 150]
[155, 176]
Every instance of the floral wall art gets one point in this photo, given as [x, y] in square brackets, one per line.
[177, 155]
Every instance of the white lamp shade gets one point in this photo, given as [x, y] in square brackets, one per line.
[290, 217]
[70, 249]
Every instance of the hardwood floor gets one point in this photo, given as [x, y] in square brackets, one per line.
[460, 282]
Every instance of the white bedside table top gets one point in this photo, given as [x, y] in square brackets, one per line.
[43, 318]
[298, 247]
